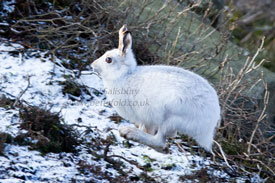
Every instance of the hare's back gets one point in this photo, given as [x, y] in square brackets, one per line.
[173, 91]
[170, 79]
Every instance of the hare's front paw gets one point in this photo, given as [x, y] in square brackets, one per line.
[128, 133]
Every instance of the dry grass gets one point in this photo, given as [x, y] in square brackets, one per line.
[243, 132]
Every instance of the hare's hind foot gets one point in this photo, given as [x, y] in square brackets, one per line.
[156, 142]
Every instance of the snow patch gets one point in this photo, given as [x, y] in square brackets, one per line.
[20, 164]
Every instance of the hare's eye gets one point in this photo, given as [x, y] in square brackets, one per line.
[108, 60]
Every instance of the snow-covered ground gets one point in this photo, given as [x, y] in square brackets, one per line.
[21, 164]
[8, 6]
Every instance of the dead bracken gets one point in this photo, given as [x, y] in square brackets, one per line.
[47, 128]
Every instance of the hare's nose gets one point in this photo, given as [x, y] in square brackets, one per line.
[94, 67]
[91, 66]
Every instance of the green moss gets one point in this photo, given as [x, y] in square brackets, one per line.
[168, 166]
[108, 165]
[145, 178]
[236, 16]
[232, 148]
[67, 76]
[70, 87]
[6, 102]
[127, 144]
[43, 46]
[148, 167]
[147, 159]
[73, 88]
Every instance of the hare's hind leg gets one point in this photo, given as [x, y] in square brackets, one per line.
[156, 141]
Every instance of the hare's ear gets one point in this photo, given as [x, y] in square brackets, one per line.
[125, 40]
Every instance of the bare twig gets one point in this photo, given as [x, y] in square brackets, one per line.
[260, 118]
[22, 92]
[223, 155]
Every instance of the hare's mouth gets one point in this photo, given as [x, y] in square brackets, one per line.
[95, 71]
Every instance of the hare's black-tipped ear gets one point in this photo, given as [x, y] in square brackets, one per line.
[125, 40]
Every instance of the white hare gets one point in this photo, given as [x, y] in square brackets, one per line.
[160, 100]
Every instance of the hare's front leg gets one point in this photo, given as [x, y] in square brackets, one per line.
[151, 130]
[156, 141]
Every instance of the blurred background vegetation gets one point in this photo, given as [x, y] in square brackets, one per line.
[250, 20]
[247, 20]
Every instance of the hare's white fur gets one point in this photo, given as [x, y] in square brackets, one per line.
[168, 99]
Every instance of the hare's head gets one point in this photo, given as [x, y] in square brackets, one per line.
[117, 62]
